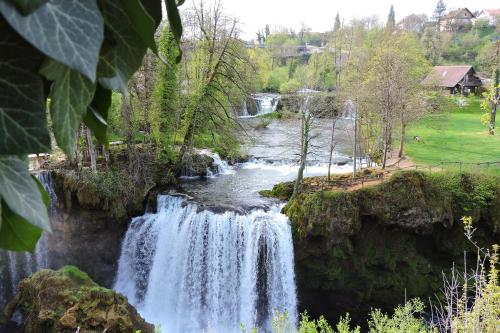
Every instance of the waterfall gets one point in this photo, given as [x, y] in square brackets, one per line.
[15, 266]
[192, 271]
[265, 103]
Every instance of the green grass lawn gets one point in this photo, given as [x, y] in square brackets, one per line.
[456, 135]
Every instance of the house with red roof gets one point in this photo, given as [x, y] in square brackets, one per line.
[490, 15]
[456, 79]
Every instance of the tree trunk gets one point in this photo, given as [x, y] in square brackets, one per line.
[355, 153]
[127, 122]
[76, 160]
[105, 153]
[332, 146]
[493, 114]
[92, 153]
[386, 145]
[303, 153]
[401, 144]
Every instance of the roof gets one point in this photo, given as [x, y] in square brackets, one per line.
[493, 12]
[447, 76]
[454, 13]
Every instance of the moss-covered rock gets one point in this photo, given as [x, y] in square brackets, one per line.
[65, 300]
[370, 247]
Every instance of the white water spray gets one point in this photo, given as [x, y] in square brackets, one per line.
[195, 271]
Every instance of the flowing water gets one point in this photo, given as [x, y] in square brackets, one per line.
[15, 266]
[216, 254]
[191, 270]
[265, 103]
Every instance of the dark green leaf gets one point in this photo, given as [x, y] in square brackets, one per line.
[21, 193]
[174, 18]
[16, 234]
[125, 55]
[153, 7]
[27, 6]
[71, 93]
[23, 122]
[97, 114]
[142, 22]
[69, 31]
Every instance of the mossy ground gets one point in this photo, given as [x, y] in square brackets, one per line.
[370, 247]
[66, 300]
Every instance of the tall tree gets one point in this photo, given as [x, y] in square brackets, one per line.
[216, 75]
[393, 86]
[431, 43]
[391, 20]
[165, 113]
[336, 26]
[439, 13]
[493, 96]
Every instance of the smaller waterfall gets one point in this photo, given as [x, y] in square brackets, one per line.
[15, 266]
[198, 271]
[222, 167]
[265, 103]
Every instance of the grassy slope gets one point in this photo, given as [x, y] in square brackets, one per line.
[453, 136]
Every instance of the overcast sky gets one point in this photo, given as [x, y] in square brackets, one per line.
[320, 14]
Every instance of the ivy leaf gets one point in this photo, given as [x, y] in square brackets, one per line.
[97, 114]
[27, 6]
[153, 7]
[21, 193]
[23, 122]
[16, 234]
[69, 31]
[125, 57]
[174, 18]
[71, 93]
[142, 22]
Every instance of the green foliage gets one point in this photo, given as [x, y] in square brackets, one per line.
[70, 96]
[84, 49]
[75, 274]
[165, 104]
[406, 319]
[21, 193]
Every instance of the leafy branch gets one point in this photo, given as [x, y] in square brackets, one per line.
[73, 53]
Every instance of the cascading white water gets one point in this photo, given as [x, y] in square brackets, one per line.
[223, 168]
[15, 266]
[265, 103]
[195, 271]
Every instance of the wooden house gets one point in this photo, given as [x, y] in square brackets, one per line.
[457, 19]
[457, 79]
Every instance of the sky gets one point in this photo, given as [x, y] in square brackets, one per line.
[320, 14]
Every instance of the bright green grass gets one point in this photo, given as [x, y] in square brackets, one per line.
[452, 136]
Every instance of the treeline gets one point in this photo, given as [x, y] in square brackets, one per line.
[286, 64]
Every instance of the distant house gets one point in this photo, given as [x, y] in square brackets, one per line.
[457, 79]
[490, 15]
[457, 19]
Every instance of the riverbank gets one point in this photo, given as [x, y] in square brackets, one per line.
[373, 247]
